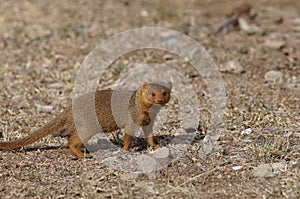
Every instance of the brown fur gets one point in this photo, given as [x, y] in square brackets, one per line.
[239, 10]
[110, 110]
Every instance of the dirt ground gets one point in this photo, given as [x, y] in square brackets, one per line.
[43, 43]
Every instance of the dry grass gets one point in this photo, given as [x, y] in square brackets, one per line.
[42, 44]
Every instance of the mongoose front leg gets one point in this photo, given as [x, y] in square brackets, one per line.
[148, 132]
[76, 146]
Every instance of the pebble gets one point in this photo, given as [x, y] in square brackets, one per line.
[237, 168]
[163, 152]
[278, 167]
[168, 57]
[296, 165]
[269, 128]
[246, 131]
[129, 176]
[146, 163]
[263, 170]
[250, 28]
[296, 21]
[289, 134]
[277, 153]
[45, 108]
[247, 141]
[268, 170]
[273, 76]
[275, 44]
[144, 13]
[232, 67]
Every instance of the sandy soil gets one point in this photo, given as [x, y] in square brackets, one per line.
[43, 43]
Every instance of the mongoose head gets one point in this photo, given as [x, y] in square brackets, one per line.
[156, 93]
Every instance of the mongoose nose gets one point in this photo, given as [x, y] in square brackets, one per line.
[159, 101]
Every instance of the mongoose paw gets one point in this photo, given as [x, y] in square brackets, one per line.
[88, 156]
[127, 149]
[155, 146]
[82, 155]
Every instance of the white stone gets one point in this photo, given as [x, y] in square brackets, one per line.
[232, 67]
[163, 152]
[237, 168]
[246, 131]
[273, 76]
[146, 163]
[275, 44]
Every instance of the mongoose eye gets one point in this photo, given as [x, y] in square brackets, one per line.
[153, 94]
[164, 93]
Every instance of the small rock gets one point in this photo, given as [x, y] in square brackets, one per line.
[44, 107]
[129, 176]
[217, 147]
[200, 166]
[289, 134]
[277, 153]
[269, 128]
[296, 28]
[232, 128]
[168, 57]
[275, 44]
[277, 19]
[163, 152]
[268, 170]
[144, 13]
[237, 168]
[246, 131]
[249, 28]
[36, 31]
[247, 141]
[296, 165]
[260, 140]
[232, 67]
[243, 50]
[273, 76]
[183, 27]
[296, 21]
[146, 163]
[74, 158]
[278, 167]
[263, 170]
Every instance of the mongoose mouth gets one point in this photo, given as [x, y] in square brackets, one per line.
[161, 103]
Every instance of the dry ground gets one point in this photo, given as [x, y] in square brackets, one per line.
[43, 43]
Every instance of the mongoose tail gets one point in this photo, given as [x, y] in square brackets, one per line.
[40, 133]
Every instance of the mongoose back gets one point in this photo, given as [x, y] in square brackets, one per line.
[110, 118]
[241, 9]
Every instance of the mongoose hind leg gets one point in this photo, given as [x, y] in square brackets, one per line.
[76, 146]
[127, 142]
[130, 130]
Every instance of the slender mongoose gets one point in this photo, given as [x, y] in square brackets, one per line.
[110, 115]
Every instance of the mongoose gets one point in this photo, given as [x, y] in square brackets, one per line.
[233, 14]
[239, 10]
[110, 117]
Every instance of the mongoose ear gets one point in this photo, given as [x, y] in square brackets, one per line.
[144, 86]
[170, 85]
